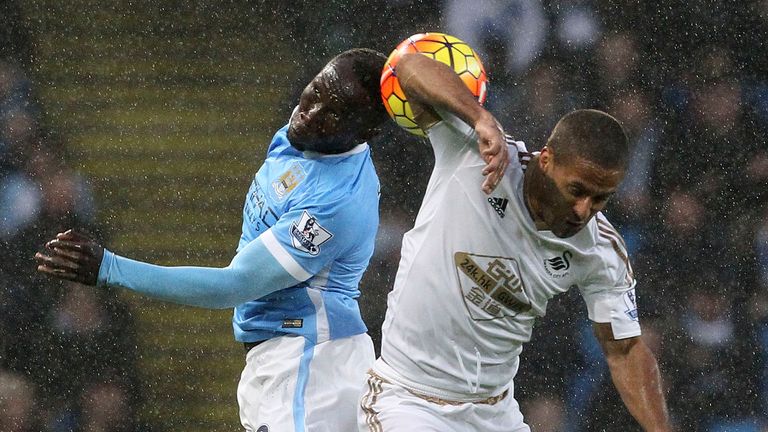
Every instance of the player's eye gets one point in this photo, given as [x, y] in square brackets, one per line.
[317, 92]
[575, 191]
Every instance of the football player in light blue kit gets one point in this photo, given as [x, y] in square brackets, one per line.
[309, 223]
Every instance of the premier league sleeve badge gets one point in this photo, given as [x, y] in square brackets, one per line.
[307, 234]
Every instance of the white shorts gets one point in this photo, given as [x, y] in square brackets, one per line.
[290, 385]
[388, 407]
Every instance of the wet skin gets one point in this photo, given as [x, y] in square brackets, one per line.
[334, 112]
[73, 256]
[564, 196]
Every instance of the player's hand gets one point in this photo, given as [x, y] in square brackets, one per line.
[72, 256]
[493, 149]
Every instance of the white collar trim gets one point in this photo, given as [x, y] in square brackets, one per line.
[354, 150]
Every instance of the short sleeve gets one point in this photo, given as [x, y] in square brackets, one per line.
[615, 306]
[306, 239]
[610, 291]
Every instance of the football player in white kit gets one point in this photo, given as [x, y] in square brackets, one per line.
[477, 270]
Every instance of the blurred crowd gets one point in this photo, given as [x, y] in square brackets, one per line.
[689, 81]
[67, 352]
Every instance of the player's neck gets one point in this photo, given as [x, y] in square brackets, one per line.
[531, 190]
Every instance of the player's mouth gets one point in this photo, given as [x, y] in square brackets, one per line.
[297, 125]
[296, 128]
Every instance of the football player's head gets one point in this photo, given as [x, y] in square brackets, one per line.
[341, 107]
[581, 166]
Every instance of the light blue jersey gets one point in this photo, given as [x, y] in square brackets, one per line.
[317, 215]
[309, 226]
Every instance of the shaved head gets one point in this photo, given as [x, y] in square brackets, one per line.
[341, 107]
[591, 135]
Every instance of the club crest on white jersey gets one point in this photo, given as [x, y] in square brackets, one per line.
[491, 286]
[307, 234]
[558, 266]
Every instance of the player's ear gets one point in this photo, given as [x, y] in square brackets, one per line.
[545, 158]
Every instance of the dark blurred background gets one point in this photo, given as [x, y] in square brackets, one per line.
[143, 122]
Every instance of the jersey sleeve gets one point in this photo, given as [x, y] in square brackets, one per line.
[309, 237]
[455, 142]
[610, 291]
[253, 273]
[452, 139]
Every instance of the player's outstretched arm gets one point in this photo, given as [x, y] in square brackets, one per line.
[253, 273]
[635, 374]
[430, 84]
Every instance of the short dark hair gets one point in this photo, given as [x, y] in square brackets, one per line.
[367, 65]
[593, 135]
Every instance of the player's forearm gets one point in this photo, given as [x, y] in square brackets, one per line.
[432, 83]
[638, 381]
[252, 274]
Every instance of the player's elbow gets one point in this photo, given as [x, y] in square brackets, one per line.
[250, 283]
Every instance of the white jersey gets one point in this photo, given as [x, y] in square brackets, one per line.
[475, 274]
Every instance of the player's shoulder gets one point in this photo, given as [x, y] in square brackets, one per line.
[609, 243]
[450, 137]
[343, 174]
[518, 152]
[338, 185]
[611, 262]
[604, 227]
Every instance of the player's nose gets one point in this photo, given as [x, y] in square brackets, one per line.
[582, 208]
[312, 116]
